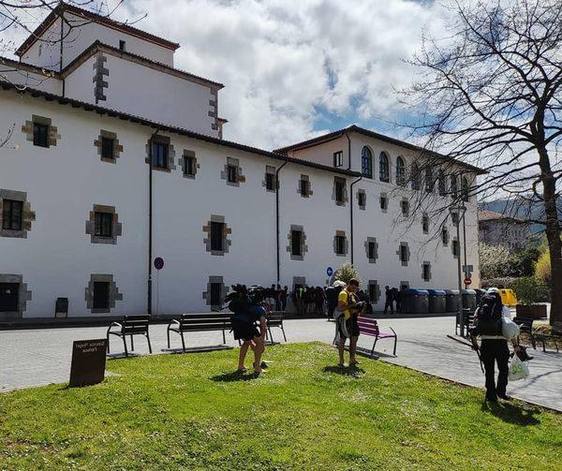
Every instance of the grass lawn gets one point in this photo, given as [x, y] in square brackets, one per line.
[189, 412]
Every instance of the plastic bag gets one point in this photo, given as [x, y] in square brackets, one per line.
[518, 369]
[510, 329]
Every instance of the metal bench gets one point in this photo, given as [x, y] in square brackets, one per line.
[197, 323]
[130, 326]
[275, 319]
[369, 326]
[526, 326]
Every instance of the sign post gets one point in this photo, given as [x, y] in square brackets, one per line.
[158, 264]
[88, 362]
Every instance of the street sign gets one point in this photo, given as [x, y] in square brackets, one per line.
[159, 263]
[467, 281]
[329, 271]
[467, 269]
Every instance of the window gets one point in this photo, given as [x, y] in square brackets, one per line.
[384, 170]
[455, 248]
[429, 183]
[40, 134]
[340, 244]
[403, 254]
[104, 224]
[426, 271]
[400, 172]
[12, 215]
[455, 218]
[373, 292]
[9, 296]
[405, 206]
[189, 165]
[107, 148]
[361, 199]
[217, 236]
[101, 295]
[270, 182]
[454, 187]
[160, 154]
[304, 187]
[216, 294]
[340, 190]
[384, 202]
[464, 189]
[415, 177]
[366, 162]
[445, 236]
[122, 45]
[425, 224]
[338, 159]
[296, 243]
[371, 250]
[231, 173]
[442, 184]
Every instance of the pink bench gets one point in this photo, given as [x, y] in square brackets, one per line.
[369, 326]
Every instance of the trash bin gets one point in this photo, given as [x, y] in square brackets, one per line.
[415, 301]
[452, 303]
[437, 300]
[469, 299]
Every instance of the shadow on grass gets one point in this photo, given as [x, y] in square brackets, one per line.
[512, 413]
[354, 371]
[234, 376]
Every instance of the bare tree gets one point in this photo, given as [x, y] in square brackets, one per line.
[490, 96]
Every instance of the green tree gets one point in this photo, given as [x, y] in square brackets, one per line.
[346, 272]
[494, 261]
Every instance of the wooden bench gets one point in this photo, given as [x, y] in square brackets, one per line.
[198, 323]
[130, 326]
[275, 319]
[369, 326]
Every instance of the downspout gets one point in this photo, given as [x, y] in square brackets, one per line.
[277, 220]
[348, 150]
[351, 214]
[61, 52]
[149, 285]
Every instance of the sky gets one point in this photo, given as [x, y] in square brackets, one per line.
[293, 69]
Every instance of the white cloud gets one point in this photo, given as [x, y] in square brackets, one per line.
[283, 60]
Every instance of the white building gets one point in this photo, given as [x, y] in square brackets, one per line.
[83, 215]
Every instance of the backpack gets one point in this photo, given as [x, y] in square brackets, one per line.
[488, 318]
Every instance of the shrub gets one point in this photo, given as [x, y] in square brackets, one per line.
[530, 290]
[504, 282]
[494, 261]
[346, 272]
[542, 268]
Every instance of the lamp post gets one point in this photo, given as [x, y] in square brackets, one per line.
[459, 211]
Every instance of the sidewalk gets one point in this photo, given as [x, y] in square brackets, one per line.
[42, 356]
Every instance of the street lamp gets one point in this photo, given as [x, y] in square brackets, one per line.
[457, 213]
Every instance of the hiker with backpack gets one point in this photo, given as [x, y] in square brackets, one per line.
[489, 328]
[345, 315]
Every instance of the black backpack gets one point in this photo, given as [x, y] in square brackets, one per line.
[488, 319]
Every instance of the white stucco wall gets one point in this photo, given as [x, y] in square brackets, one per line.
[24, 78]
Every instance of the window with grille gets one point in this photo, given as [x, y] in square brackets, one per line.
[338, 159]
[340, 191]
[400, 172]
[216, 294]
[372, 250]
[404, 253]
[217, 236]
[455, 248]
[442, 184]
[12, 215]
[384, 202]
[425, 223]
[426, 271]
[103, 224]
[107, 148]
[9, 297]
[454, 186]
[232, 173]
[405, 206]
[429, 183]
[270, 181]
[189, 165]
[340, 245]
[40, 134]
[361, 199]
[384, 168]
[160, 154]
[415, 177]
[367, 162]
[296, 243]
[304, 187]
[445, 236]
[101, 295]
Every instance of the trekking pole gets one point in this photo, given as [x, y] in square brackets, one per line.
[472, 346]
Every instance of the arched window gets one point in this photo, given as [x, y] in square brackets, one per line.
[464, 189]
[454, 186]
[367, 162]
[415, 177]
[429, 179]
[384, 168]
[400, 171]
[442, 183]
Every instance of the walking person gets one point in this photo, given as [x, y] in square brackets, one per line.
[347, 311]
[488, 327]
[388, 300]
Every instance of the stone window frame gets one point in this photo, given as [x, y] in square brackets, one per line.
[24, 295]
[116, 229]
[383, 196]
[171, 153]
[304, 247]
[345, 199]
[404, 263]
[28, 215]
[27, 129]
[425, 223]
[117, 147]
[114, 294]
[345, 244]
[308, 193]
[189, 154]
[455, 241]
[377, 289]
[423, 265]
[361, 194]
[372, 240]
[405, 207]
[215, 279]
[240, 178]
[226, 242]
[270, 170]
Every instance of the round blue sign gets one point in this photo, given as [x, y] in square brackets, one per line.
[159, 263]
[329, 271]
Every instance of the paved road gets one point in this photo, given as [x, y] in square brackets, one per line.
[38, 357]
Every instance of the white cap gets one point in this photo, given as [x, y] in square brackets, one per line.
[339, 284]
[493, 290]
